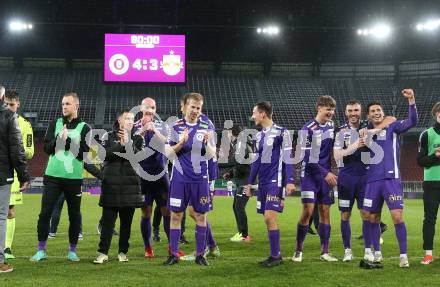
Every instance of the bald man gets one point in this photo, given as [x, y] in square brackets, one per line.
[155, 186]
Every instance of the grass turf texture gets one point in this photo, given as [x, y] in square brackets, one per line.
[236, 267]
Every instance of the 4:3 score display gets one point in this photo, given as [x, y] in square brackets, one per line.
[145, 64]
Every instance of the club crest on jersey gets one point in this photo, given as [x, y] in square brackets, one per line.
[383, 133]
[199, 137]
[269, 141]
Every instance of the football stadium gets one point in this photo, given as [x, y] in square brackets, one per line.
[222, 143]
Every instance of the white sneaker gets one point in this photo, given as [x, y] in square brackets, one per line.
[102, 258]
[297, 257]
[348, 255]
[327, 257]
[404, 262]
[237, 237]
[122, 257]
[378, 258]
[369, 256]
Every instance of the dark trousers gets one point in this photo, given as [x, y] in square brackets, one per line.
[51, 194]
[157, 217]
[239, 207]
[315, 218]
[431, 201]
[56, 215]
[109, 215]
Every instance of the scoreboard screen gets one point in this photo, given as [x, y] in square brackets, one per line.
[144, 58]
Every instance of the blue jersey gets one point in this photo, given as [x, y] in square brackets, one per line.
[388, 143]
[273, 148]
[191, 165]
[351, 164]
[316, 142]
[156, 162]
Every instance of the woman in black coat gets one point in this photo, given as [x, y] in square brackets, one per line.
[120, 192]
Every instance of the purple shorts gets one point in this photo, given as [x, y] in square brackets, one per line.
[314, 189]
[182, 194]
[156, 191]
[351, 188]
[270, 197]
[388, 190]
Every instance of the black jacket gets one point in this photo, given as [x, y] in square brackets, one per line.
[239, 172]
[423, 159]
[12, 154]
[120, 182]
[50, 142]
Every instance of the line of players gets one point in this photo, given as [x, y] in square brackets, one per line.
[275, 171]
[369, 173]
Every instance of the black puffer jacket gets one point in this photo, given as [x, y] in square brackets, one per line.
[11, 148]
[120, 182]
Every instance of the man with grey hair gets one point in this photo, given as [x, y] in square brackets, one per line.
[12, 157]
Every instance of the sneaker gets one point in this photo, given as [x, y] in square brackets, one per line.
[40, 255]
[201, 260]
[102, 258]
[99, 228]
[72, 256]
[156, 236]
[183, 240]
[52, 235]
[428, 259]
[348, 255]
[378, 258]
[246, 239]
[272, 261]
[5, 268]
[180, 253]
[404, 262]
[122, 257]
[370, 265]
[212, 252]
[236, 238]
[149, 253]
[297, 257]
[8, 254]
[171, 260]
[80, 236]
[189, 257]
[311, 231]
[327, 257]
[369, 256]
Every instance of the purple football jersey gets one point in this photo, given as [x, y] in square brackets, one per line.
[316, 142]
[387, 147]
[191, 164]
[273, 148]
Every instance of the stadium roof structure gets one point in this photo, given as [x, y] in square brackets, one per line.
[310, 30]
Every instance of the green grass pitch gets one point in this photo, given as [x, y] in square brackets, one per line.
[237, 265]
